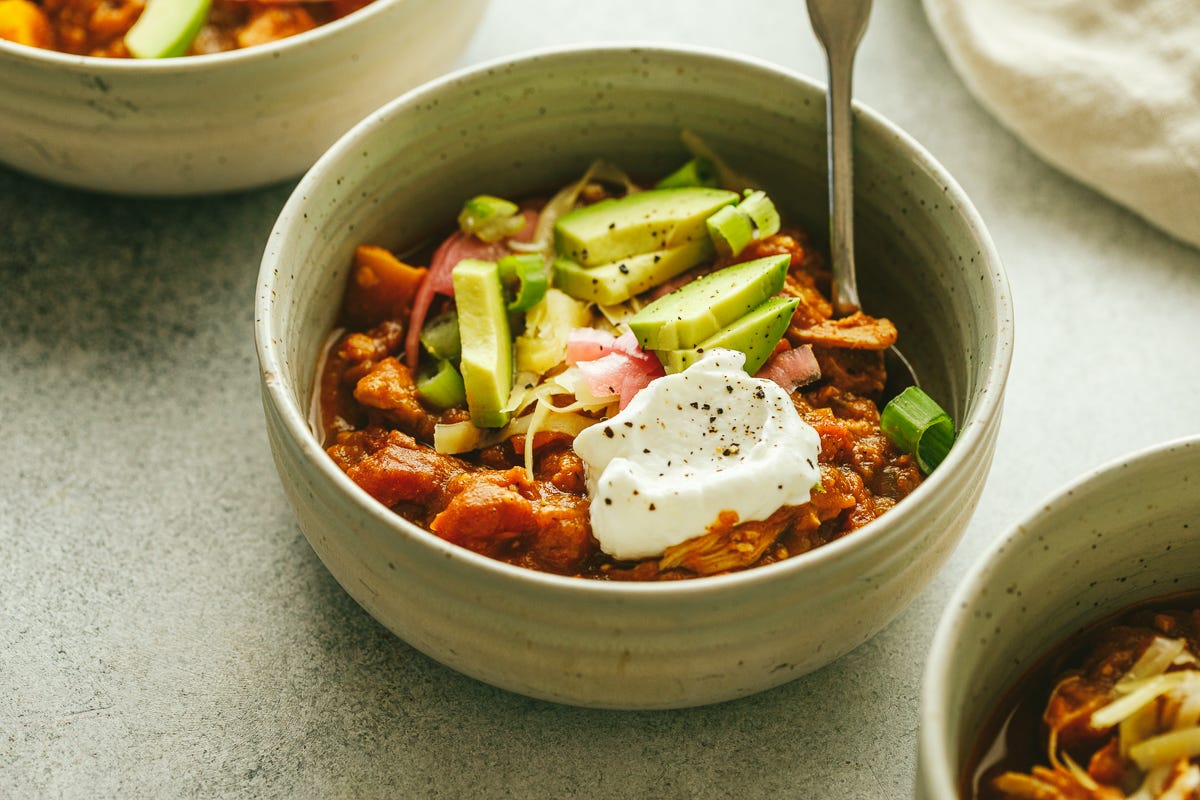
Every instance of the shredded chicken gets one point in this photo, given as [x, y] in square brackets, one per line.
[270, 23]
[855, 332]
[373, 345]
[728, 546]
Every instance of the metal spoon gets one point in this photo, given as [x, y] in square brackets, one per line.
[839, 26]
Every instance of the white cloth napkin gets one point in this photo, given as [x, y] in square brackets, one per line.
[1106, 90]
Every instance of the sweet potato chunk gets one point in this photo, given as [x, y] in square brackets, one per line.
[25, 23]
[381, 287]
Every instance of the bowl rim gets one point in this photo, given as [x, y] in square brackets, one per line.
[934, 765]
[973, 433]
[190, 64]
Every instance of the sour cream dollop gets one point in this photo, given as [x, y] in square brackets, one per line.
[689, 446]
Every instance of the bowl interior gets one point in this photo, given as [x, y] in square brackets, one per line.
[530, 126]
[1124, 534]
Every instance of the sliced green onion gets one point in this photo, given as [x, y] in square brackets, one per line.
[762, 213]
[528, 272]
[733, 227]
[441, 339]
[697, 172]
[489, 218]
[917, 424]
[444, 388]
[730, 230]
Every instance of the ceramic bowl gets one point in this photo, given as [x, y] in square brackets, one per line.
[1123, 534]
[221, 122]
[532, 124]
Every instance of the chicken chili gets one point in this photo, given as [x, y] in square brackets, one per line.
[617, 383]
[1114, 714]
[103, 27]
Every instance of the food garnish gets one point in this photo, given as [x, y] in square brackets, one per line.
[490, 219]
[698, 171]
[619, 383]
[693, 446]
[918, 425]
[166, 28]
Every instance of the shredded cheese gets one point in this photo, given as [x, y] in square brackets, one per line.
[564, 200]
[1188, 714]
[1138, 695]
[1079, 773]
[1166, 748]
[1138, 726]
[1155, 659]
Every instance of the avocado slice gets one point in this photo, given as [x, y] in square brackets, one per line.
[487, 354]
[692, 313]
[754, 334]
[614, 229]
[699, 171]
[614, 283]
[166, 28]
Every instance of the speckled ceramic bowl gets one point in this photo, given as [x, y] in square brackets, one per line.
[1128, 532]
[219, 122]
[533, 124]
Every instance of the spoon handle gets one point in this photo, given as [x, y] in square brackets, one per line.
[839, 26]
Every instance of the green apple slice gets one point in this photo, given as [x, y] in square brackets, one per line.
[166, 28]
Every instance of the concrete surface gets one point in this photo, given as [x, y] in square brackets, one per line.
[165, 630]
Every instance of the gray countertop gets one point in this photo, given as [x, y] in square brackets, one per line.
[166, 631]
